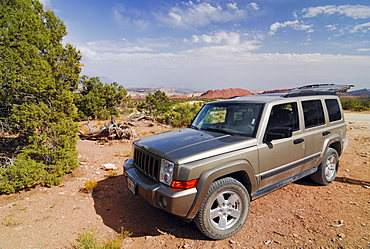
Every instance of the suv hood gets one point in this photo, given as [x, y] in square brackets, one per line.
[186, 145]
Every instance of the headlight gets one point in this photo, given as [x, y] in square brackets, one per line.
[166, 172]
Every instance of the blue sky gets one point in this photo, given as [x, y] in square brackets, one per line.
[217, 44]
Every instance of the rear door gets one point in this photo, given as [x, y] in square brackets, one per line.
[315, 130]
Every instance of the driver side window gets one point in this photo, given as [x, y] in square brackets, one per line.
[284, 115]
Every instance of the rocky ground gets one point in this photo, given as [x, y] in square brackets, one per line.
[300, 215]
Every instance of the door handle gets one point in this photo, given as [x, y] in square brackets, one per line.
[325, 133]
[298, 141]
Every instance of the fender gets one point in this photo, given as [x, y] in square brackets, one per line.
[327, 144]
[209, 176]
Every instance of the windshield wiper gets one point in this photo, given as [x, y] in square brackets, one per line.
[193, 127]
[217, 130]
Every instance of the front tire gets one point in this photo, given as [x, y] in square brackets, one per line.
[328, 168]
[224, 210]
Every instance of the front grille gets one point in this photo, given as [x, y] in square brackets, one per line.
[148, 163]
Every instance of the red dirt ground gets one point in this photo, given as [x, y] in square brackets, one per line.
[300, 215]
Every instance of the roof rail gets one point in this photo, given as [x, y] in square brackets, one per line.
[307, 93]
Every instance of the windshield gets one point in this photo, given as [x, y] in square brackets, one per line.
[229, 118]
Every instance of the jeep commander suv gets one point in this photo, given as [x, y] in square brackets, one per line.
[237, 150]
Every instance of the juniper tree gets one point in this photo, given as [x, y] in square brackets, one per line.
[156, 103]
[99, 100]
[38, 76]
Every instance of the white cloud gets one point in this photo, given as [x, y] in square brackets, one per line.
[254, 6]
[362, 27]
[218, 37]
[363, 49]
[202, 14]
[352, 11]
[95, 47]
[297, 25]
[225, 42]
[232, 6]
[212, 68]
[331, 27]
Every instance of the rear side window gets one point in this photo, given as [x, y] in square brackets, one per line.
[333, 109]
[313, 113]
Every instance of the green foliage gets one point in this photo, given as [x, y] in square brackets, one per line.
[38, 76]
[23, 174]
[89, 186]
[356, 104]
[89, 240]
[155, 104]
[98, 100]
[175, 112]
[181, 115]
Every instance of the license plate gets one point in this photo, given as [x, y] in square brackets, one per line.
[131, 185]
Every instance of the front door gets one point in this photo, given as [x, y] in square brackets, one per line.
[283, 157]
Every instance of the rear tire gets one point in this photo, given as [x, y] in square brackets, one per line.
[328, 168]
[224, 210]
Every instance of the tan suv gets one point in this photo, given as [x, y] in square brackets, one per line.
[237, 150]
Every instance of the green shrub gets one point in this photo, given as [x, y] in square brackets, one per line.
[89, 240]
[98, 100]
[89, 186]
[155, 104]
[24, 173]
[181, 115]
[356, 104]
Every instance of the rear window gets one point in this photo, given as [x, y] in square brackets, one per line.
[333, 109]
[313, 113]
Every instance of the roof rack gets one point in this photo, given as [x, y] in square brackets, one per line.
[324, 87]
[318, 89]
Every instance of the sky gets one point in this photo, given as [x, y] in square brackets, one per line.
[219, 44]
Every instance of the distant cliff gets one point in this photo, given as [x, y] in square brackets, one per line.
[225, 93]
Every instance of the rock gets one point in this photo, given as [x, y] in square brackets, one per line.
[340, 223]
[232, 242]
[341, 235]
[109, 166]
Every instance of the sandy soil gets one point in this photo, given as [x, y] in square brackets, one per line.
[300, 215]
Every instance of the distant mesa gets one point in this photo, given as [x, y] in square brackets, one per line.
[181, 93]
[225, 93]
[358, 92]
[178, 93]
[174, 96]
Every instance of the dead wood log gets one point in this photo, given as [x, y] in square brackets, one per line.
[110, 131]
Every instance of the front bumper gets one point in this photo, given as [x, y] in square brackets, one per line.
[175, 201]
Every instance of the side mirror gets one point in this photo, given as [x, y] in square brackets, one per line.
[278, 133]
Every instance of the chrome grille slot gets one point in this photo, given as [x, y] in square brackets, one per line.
[147, 162]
